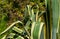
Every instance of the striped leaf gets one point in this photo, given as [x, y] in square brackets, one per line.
[4, 37]
[53, 5]
[36, 30]
[11, 35]
[19, 37]
[10, 27]
[17, 29]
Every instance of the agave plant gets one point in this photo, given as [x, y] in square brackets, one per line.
[32, 25]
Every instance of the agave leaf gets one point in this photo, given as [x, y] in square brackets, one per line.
[11, 35]
[55, 15]
[29, 9]
[27, 25]
[4, 37]
[31, 13]
[10, 27]
[19, 37]
[32, 28]
[58, 28]
[17, 29]
[36, 30]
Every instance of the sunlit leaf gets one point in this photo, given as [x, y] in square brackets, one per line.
[19, 37]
